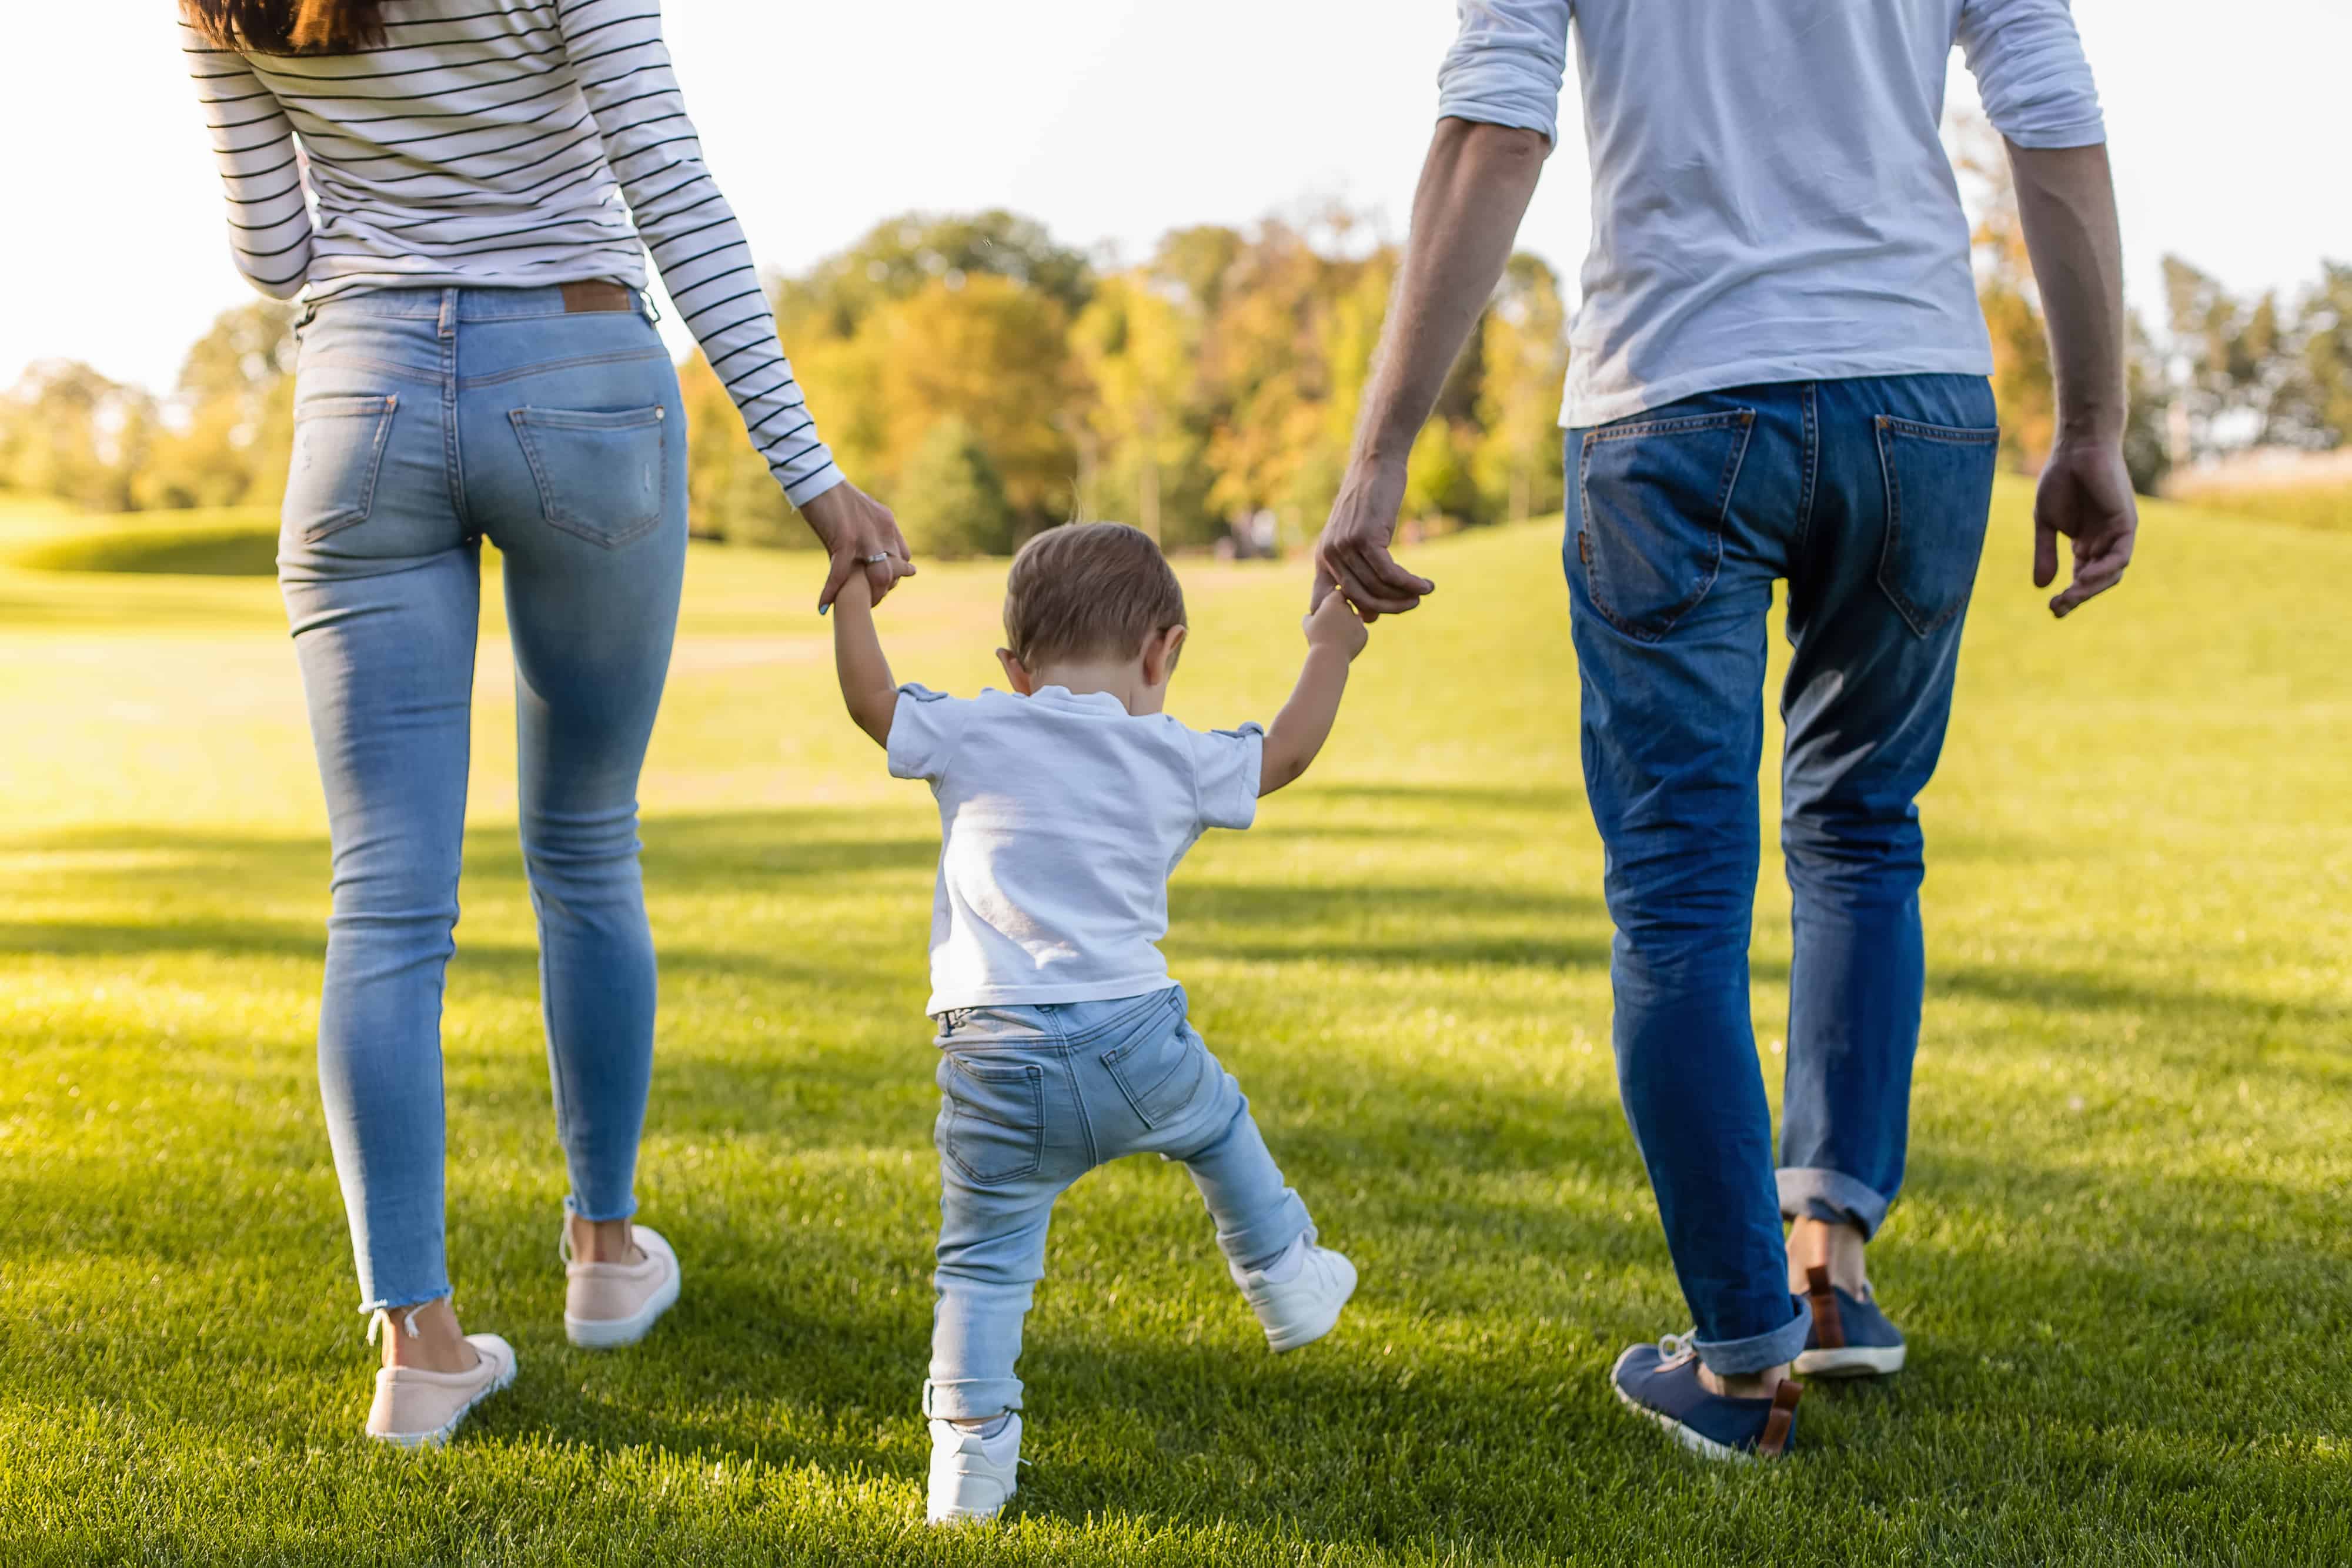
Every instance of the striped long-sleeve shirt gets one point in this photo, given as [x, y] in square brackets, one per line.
[491, 144]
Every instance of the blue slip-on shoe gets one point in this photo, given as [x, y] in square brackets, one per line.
[1660, 1382]
[1850, 1337]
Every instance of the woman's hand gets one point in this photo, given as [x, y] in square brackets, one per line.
[861, 534]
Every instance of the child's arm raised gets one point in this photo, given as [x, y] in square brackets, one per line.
[1334, 637]
[867, 688]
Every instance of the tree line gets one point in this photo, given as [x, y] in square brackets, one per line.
[989, 381]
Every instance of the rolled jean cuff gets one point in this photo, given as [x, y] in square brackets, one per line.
[1731, 1357]
[1815, 1192]
[969, 1398]
[578, 1210]
[1259, 1243]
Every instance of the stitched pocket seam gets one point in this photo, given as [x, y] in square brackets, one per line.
[362, 503]
[1139, 1098]
[526, 420]
[1915, 616]
[546, 367]
[1028, 1075]
[1743, 418]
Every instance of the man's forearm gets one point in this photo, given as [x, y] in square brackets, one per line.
[1474, 188]
[2066, 202]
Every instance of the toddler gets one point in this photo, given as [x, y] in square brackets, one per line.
[1064, 806]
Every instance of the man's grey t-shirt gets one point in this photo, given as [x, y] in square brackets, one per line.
[1771, 200]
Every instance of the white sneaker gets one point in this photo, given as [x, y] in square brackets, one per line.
[1298, 1297]
[972, 1476]
[610, 1304]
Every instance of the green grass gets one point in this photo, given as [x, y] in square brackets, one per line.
[2325, 502]
[2122, 1258]
[232, 541]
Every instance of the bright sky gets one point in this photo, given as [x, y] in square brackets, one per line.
[1110, 119]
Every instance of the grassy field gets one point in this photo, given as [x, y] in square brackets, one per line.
[2124, 1256]
[2313, 504]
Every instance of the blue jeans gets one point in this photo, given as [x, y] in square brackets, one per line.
[1031, 1098]
[1869, 497]
[427, 419]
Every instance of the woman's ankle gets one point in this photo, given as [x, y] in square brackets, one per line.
[600, 1241]
[426, 1338]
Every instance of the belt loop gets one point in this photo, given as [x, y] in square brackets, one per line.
[448, 313]
[649, 307]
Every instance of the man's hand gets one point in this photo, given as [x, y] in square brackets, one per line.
[2086, 494]
[1332, 625]
[861, 536]
[1353, 553]
[1474, 188]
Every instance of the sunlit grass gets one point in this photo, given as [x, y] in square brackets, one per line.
[2123, 1256]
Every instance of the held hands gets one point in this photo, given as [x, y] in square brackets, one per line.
[1353, 553]
[863, 538]
[1334, 624]
[2086, 494]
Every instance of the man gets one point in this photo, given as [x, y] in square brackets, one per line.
[1778, 371]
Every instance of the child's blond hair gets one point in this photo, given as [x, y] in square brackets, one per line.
[1089, 590]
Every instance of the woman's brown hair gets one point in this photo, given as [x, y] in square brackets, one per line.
[289, 26]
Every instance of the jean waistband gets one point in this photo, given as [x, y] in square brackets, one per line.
[461, 304]
[1064, 1025]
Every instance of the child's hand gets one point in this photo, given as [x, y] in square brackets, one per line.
[1335, 624]
[855, 590]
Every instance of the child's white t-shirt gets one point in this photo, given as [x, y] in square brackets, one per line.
[1061, 817]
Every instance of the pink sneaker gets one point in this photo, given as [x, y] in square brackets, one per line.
[414, 1408]
[610, 1304]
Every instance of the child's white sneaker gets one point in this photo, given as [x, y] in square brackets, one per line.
[971, 1476]
[1298, 1297]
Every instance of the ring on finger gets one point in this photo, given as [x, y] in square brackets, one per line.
[877, 558]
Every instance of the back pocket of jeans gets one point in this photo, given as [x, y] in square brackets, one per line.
[1938, 495]
[1654, 496]
[993, 1127]
[339, 446]
[601, 475]
[1159, 1072]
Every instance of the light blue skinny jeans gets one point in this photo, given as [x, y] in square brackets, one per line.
[425, 421]
[1031, 1098]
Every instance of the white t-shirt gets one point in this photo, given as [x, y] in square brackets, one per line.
[1770, 198]
[1060, 818]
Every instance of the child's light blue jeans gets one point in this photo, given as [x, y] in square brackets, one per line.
[1032, 1098]
[427, 419]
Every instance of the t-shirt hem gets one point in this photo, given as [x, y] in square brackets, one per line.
[1006, 995]
[1583, 410]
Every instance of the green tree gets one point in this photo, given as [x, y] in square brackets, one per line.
[952, 502]
[1136, 344]
[68, 431]
[1523, 363]
[234, 431]
[2023, 385]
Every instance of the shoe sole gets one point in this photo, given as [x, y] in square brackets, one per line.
[442, 1434]
[1698, 1442]
[1851, 1361]
[1298, 1336]
[952, 1514]
[611, 1334]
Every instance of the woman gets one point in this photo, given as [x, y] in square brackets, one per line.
[477, 363]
